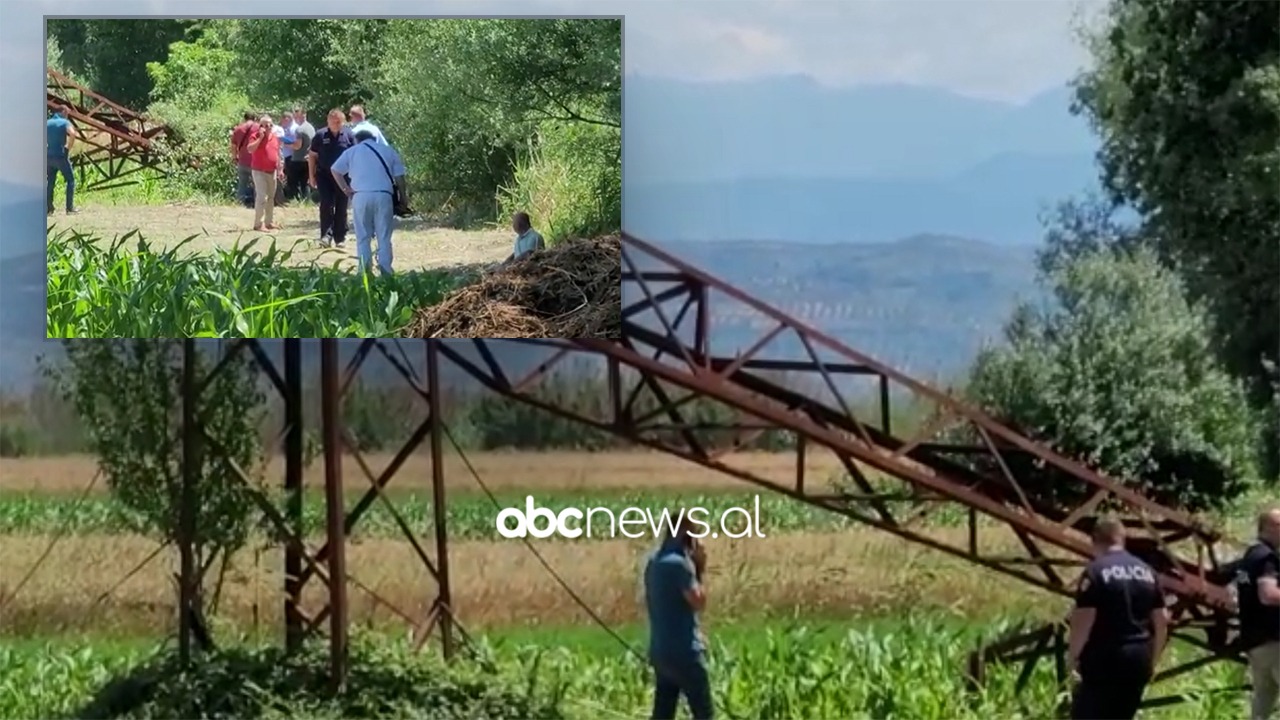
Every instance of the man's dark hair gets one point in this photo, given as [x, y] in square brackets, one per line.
[249, 115]
[59, 106]
[364, 135]
[522, 219]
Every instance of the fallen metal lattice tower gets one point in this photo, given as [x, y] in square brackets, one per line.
[117, 142]
[666, 361]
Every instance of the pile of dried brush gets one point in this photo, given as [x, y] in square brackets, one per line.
[572, 290]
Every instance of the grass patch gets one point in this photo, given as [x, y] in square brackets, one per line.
[126, 289]
[885, 668]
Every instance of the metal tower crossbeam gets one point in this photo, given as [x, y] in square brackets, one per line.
[118, 142]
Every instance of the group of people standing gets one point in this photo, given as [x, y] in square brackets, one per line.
[277, 163]
[346, 166]
[1119, 626]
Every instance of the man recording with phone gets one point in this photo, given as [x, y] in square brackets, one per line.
[675, 594]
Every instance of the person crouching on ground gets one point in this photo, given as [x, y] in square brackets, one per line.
[265, 159]
[675, 594]
[528, 240]
[375, 171]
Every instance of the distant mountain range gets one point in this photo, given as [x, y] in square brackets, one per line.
[789, 159]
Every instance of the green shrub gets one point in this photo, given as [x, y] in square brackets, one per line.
[382, 682]
[1119, 371]
[195, 96]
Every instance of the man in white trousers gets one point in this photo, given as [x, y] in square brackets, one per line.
[375, 171]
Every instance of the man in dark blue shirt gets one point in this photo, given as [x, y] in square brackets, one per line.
[326, 147]
[674, 595]
[1258, 596]
[1118, 629]
[60, 135]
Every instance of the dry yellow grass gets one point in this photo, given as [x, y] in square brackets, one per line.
[501, 583]
[500, 471]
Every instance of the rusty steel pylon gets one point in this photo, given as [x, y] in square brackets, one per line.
[798, 380]
[118, 142]
[328, 563]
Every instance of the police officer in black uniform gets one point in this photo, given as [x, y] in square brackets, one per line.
[1118, 629]
[1258, 597]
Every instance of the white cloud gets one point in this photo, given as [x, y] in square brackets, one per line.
[1003, 49]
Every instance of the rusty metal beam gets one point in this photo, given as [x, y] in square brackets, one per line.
[117, 142]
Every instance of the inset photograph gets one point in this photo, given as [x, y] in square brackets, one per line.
[334, 178]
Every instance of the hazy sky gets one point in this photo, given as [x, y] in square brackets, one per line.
[1008, 50]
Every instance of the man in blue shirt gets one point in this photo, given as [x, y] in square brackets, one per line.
[674, 595]
[326, 147]
[359, 123]
[527, 239]
[375, 172]
[60, 135]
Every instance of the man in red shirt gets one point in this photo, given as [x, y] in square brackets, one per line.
[268, 167]
[240, 155]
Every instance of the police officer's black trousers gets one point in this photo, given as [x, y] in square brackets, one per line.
[1112, 684]
[333, 207]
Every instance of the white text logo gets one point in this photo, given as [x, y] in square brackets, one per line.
[632, 522]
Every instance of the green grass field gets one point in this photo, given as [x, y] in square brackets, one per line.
[140, 261]
[128, 289]
[818, 619]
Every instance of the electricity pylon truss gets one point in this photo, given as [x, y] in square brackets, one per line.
[664, 372]
[116, 142]
[667, 360]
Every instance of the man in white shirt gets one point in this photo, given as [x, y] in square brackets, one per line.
[376, 170]
[359, 123]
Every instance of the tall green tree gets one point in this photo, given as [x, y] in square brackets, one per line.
[113, 54]
[1185, 95]
[1119, 370]
[319, 63]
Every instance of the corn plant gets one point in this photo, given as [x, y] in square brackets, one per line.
[129, 289]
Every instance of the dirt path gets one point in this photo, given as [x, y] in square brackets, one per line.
[417, 243]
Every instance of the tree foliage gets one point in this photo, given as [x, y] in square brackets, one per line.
[1186, 97]
[1118, 370]
[127, 394]
[113, 54]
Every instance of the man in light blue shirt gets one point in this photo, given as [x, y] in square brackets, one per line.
[60, 135]
[359, 123]
[375, 171]
[528, 240]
